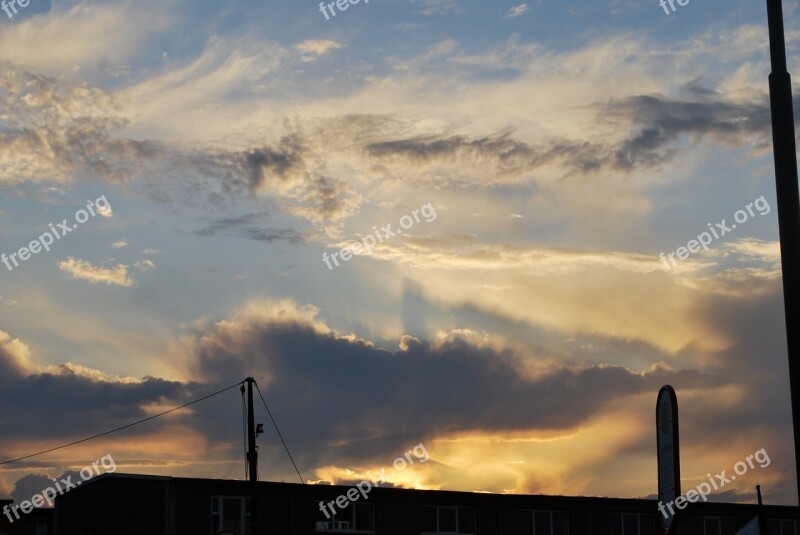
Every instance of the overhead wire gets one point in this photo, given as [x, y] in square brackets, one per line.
[302, 481]
[143, 420]
[121, 427]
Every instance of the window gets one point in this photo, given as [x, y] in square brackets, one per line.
[357, 516]
[783, 527]
[632, 524]
[714, 525]
[448, 519]
[228, 515]
[542, 522]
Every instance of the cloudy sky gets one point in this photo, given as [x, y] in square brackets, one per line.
[520, 328]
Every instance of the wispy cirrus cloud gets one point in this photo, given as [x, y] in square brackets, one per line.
[437, 7]
[313, 48]
[319, 170]
[144, 265]
[517, 11]
[68, 37]
[81, 269]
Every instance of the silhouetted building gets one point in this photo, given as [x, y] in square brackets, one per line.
[155, 505]
[37, 522]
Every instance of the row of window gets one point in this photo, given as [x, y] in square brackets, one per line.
[229, 513]
[784, 527]
[446, 519]
[542, 522]
[632, 524]
[643, 524]
[358, 516]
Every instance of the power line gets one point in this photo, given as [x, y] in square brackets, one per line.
[302, 481]
[123, 427]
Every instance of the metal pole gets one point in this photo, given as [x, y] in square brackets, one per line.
[252, 458]
[762, 527]
[780, 93]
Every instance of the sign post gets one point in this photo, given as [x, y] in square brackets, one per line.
[669, 462]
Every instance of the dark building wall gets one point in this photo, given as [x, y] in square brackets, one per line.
[121, 504]
[27, 524]
[192, 499]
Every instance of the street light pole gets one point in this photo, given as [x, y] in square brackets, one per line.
[783, 142]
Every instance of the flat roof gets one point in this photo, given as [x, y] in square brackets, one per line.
[596, 500]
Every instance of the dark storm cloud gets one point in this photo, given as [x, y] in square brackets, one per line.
[51, 409]
[341, 399]
[63, 405]
[337, 399]
[330, 390]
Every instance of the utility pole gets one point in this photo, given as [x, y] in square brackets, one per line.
[780, 98]
[252, 458]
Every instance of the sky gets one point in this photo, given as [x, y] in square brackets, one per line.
[529, 184]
